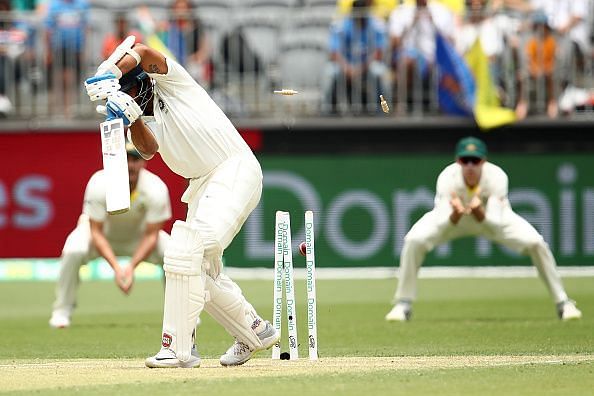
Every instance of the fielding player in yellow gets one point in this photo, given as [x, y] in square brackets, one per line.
[137, 233]
[471, 200]
[198, 142]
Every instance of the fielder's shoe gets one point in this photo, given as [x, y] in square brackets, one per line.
[166, 359]
[59, 320]
[568, 311]
[239, 353]
[401, 312]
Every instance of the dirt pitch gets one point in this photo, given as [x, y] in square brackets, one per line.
[50, 374]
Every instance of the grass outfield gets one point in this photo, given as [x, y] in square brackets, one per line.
[467, 336]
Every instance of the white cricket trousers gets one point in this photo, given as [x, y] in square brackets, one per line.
[218, 205]
[514, 233]
[220, 202]
[79, 250]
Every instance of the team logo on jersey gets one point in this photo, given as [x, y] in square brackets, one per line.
[163, 107]
[167, 339]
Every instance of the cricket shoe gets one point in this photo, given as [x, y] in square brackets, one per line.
[166, 359]
[59, 320]
[401, 312]
[568, 311]
[240, 352]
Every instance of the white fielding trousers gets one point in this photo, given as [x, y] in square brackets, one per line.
[514, 232]
[79, 250]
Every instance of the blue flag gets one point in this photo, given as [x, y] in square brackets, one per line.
[456, 89]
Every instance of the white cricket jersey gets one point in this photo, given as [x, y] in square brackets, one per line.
[193, 133]
[420, 34]
[149, 204]
[493, 183]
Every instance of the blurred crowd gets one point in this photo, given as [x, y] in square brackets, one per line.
[340, 55]
[538, 52]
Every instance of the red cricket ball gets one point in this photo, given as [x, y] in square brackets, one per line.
[302, 248]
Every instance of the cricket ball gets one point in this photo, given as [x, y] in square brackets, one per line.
[302, 248]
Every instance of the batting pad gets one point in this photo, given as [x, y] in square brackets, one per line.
[228, 307]
[184, 289]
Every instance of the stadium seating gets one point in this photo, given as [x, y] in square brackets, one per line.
[275, 37]
[300, 55]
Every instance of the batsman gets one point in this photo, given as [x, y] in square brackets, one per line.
[471, 200]
[168, 112]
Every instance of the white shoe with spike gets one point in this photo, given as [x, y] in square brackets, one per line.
[239, 352]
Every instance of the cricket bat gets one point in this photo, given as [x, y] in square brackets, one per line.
[115, 166]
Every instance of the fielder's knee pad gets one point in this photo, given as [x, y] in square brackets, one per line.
[228, 306]
[184, 288]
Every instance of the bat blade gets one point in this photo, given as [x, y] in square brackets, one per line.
[115, 166]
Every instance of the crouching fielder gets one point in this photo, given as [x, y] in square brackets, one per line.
[198, 142]
[137, 233]
[471, 200]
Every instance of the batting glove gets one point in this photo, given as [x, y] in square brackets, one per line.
[102, 86]
[121, 105]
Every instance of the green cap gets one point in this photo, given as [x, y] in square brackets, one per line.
[471, 147]
[131, 150]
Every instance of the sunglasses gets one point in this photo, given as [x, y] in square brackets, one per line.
[470, 160]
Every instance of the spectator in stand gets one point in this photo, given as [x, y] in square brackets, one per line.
[509, 18]
[412, 40]
[383, 8]
[12, 47]
[66, 25]
[357, 45]
[28, 13]
[479, 25]
[482, 25]
[569, 19]
[540, 50]
[122, 30]
[187, 40]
